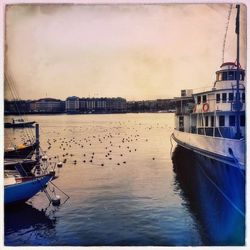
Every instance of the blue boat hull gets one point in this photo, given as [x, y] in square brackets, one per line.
[215, 194]
[21, 192]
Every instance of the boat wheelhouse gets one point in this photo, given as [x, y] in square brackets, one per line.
[212, 112]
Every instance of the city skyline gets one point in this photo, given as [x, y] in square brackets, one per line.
[85, 97]
[144, 52]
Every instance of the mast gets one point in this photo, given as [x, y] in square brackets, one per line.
[37, 145]
[238, 104]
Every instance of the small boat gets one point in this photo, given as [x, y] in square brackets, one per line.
[18, 189]
[18, 123]
[19, 184]
[21, 151]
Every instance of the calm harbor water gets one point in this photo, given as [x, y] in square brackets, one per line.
[120, 179]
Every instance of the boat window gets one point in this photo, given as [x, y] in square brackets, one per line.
[224, 97]
[232, 120]
[231, 75]
[242, 120]
[221, 120]
[224, 76]
[204, 98]
[181, 123]
[201, 121]
[198, 99]
[230, 97]
[206, 121]
[242, 75]
[212, 121]
[217, 97]
[243, 97]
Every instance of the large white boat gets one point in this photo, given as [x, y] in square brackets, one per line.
[210, 133]
[208, 122]
[211, 122]
[209, 160]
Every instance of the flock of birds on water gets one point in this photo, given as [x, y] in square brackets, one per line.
[111, 144]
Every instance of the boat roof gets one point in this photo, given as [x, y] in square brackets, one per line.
[183, 98]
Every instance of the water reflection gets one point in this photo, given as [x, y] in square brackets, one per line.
[215, 195]
[132, 204]
[26, 220]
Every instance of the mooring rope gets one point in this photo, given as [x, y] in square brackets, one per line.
[222, 193]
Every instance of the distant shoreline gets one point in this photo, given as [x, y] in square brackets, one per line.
[113, 113]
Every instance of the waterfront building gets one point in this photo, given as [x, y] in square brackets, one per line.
[90, 105]
[165, 105]
[17, 106]
[117, 105]
[72, 104]
[103, 105]
[47, 105]
[151, 105]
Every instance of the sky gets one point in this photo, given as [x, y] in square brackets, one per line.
[138, 52]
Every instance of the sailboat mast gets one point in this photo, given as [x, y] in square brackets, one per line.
[37, 145]
[237, 101]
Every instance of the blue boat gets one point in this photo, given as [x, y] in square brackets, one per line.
[21, 189]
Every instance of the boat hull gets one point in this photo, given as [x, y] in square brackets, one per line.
[21, 192]
[215, 194]
[20, 153]
[18, 125]
[229, 151]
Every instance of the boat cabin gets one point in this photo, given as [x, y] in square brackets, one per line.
[17, 121]
[215, 111]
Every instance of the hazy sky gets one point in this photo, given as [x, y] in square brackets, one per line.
[133, 51]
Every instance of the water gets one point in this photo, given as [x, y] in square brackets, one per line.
[127, 196]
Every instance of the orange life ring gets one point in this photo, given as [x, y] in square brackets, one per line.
[205, 107]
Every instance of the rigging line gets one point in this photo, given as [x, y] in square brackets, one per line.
[223, 193]
[171, 149]
[14, 92]
[8, 140]
[225, 36]
[9, 82]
